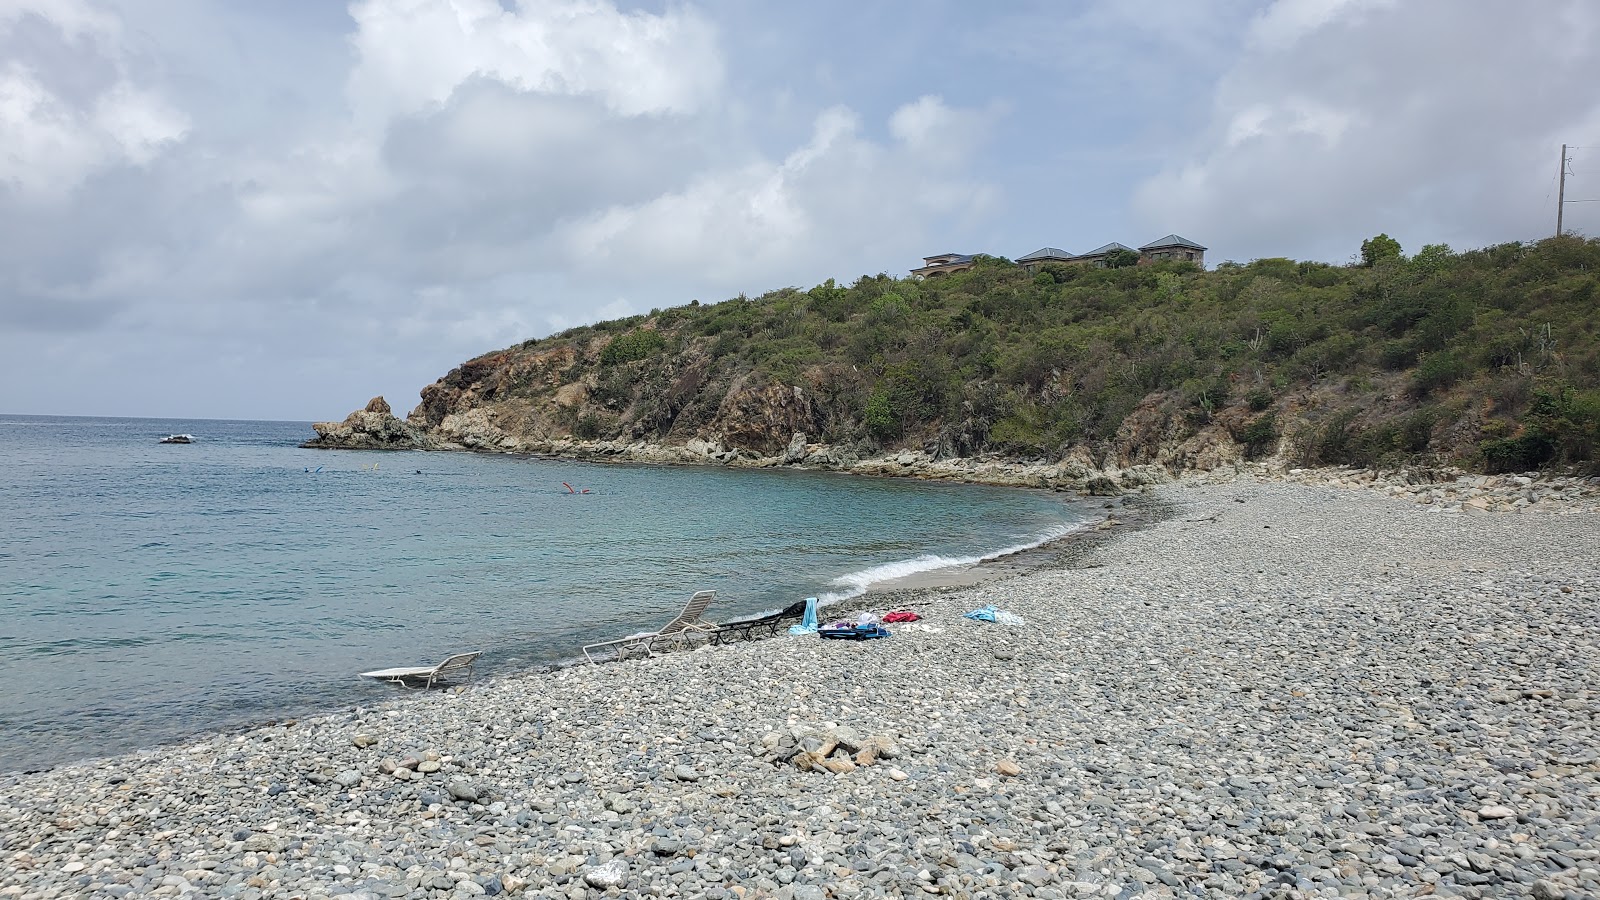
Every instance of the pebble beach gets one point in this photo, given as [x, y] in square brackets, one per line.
[1271, 689]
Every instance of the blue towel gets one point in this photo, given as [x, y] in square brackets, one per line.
[808, 622]
[983, 613]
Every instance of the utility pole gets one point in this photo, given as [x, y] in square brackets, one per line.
[1561, 191]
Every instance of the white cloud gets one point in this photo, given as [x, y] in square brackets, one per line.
[1288, 21]
[1343, 119]
[140, 123]
[75, 18]
[52, 139]
[819, 205]
[414, 53]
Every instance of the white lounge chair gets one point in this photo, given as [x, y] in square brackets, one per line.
[425, 676]
[684, 627]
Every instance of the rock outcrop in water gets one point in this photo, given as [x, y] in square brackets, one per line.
[372, 428]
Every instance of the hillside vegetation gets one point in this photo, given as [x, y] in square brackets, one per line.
[1487, 358]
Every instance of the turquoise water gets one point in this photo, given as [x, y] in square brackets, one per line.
[149, 591]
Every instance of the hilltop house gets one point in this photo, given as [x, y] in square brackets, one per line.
[1043, 255]
[1170, 247]
[943, 264]
[1173, 247]
[1097, 256]
[1164, 248]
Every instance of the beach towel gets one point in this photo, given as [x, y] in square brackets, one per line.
[808, 622]
[851, 632]
[991, 613]
[900, 615]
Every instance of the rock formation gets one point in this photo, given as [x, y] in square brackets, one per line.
[372, 428]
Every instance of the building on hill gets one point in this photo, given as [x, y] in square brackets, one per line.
[1044, 255]
[1097, 256]
[1173, 247]
[943, 264]
[1170, 247]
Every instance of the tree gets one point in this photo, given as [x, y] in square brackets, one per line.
[1121, 259]
[1380, 247]
[1432, 259]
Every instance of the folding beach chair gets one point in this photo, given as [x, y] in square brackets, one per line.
[686, 626]
[426, 676]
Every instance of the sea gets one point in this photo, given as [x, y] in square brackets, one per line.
[150, 592]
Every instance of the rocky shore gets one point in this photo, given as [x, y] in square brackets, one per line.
[1281, 690]
[1208, 457]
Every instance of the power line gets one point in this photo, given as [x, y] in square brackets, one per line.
[1563, 171]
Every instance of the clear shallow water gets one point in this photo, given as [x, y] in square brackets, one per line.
[149, 591]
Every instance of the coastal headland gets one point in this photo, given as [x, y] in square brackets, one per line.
[1276, 690]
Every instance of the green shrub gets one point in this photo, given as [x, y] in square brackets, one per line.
[1259, 435]
[1562, 424]
[588, 427]
[879, 416]
[635, 345]
[1437, 371]
[1519, 453]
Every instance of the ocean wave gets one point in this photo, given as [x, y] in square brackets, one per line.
[854, 584]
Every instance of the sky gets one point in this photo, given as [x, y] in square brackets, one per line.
[233, 209]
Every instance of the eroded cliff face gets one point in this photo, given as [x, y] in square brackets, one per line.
[487, 405]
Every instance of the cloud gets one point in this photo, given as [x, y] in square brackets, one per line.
[816, 208]
[494, 171]
[1343, 118]
[69, 104]
[414, 53]
[1287, 21]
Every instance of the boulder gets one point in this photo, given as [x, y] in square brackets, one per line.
[796, 451]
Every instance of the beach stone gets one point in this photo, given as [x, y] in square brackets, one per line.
[1037, 876]
[1496, 811]
[363, 740]
[348, 778]
[428, 766]
[463, 791]
[1210, 708]
[1008, 768]
[685, 773]
[613, 874]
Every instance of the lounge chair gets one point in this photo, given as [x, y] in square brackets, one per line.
[426, 676]
[683, 628]
[747, 629]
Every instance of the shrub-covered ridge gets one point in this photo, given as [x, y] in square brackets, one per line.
[1487, 358]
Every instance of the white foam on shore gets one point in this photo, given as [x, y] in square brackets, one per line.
[854, 584]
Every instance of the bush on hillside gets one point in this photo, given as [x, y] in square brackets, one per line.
[635, 345]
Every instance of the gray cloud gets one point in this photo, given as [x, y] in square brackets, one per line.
[1433, 121]
[280, 211]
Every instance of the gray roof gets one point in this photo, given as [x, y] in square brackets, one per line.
[1046, 253]
[1102, 251]
[949, 257]
[1172, 240]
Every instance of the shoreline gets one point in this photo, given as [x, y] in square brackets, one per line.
[1206, 457]
[886, 593]
[1269, 686]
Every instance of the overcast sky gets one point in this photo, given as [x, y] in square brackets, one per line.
[234, 209]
